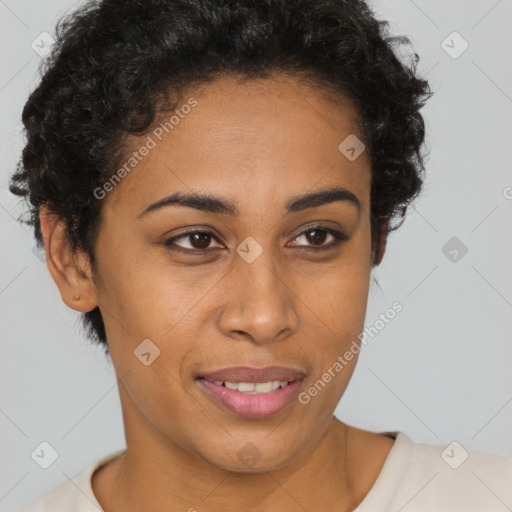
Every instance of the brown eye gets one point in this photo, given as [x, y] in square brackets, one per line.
[316, 236]
[199, 241]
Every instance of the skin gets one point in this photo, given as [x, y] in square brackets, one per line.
[257, 144]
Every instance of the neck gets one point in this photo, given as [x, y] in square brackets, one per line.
[153, 475]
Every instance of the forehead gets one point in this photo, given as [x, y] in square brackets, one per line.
[257, 139]
[268, 116]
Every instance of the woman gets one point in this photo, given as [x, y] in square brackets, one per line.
[213, 183]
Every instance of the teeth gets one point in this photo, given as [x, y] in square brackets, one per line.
[245, 386]
[263, 387]
[254, 388]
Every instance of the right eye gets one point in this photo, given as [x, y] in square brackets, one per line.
[199, 241]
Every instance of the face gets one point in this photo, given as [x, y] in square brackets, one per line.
[260, 285]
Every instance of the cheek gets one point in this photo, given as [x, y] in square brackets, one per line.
[340, 310]
[144, 296]
[156, 394]
[336, 338]
[341, 290]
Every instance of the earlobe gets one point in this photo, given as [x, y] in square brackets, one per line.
[69, 269]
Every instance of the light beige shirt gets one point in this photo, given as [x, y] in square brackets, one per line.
[415, 477]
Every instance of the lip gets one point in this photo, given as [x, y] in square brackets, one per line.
[252, 406]
[257, 406]
[248, 374]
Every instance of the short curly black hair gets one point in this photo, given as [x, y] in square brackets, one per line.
[117, 65]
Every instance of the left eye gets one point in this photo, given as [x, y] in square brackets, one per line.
[199, 241]
[317, 236]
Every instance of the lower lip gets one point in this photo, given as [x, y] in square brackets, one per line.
[255, 406]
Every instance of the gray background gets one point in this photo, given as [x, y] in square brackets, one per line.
[440, 371]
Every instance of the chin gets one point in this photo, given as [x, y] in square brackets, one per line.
[258, 454]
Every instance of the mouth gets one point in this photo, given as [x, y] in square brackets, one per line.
[251, 392]
[254, 388]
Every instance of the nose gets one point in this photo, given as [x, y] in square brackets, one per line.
[258, 306]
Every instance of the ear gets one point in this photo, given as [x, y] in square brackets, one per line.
[380, 246]
[70, 270]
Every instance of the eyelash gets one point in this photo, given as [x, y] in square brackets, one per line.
[339, 237]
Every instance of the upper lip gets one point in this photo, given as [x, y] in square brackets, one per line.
[248, 374]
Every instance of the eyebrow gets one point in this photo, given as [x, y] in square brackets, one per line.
[214, 204]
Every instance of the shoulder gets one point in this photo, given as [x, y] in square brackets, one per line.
[463, 477]
[75, 494]
[421, 477]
